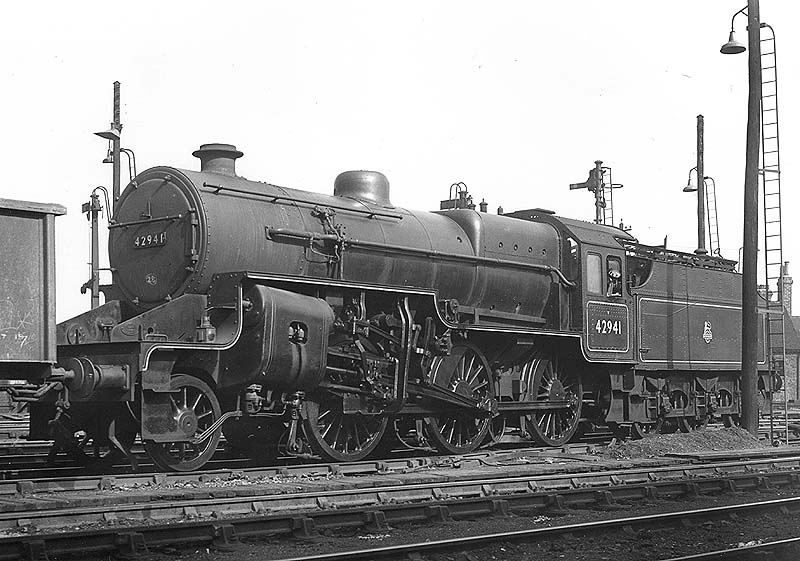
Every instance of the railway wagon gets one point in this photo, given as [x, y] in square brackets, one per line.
[343, 326]
[27, 294]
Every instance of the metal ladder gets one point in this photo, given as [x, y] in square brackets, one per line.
[711, 215]
[773, 235]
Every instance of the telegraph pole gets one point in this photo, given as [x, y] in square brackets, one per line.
[93, 207]
[701, 192]
[115, 145]
[749, 382]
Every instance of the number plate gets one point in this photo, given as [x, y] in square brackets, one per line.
[607, 327]
[150, 240]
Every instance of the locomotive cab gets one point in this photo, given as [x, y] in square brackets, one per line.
[606, 303]
[593, 257]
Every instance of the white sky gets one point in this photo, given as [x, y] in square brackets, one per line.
[516, 99]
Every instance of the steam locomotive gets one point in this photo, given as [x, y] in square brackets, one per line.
[342, 326]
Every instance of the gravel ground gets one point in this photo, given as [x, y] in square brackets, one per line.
[710, 440]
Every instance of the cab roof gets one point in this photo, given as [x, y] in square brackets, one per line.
[583, 232]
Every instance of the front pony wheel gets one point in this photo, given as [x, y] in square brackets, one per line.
[194, 407]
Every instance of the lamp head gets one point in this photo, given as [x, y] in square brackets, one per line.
[110, 134]
[732, 47]
[690, 187]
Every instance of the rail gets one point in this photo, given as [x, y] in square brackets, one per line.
[223, 520]
[675, 519]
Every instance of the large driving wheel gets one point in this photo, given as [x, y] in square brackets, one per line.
[465, 372]
[339, 436]
[543, 381]
[334, 434]
[195, 408]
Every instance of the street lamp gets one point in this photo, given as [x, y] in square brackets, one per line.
[733, 47]
[690, 187]
[749, 382]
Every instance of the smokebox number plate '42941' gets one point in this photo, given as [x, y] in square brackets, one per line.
[150, 240]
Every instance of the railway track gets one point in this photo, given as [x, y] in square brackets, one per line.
[677, 520]
[12, 487]
[29, 460]
[18, 467]
[33, 471]
[779, 549]
[23, 459]
[186, 516]
[14, 482]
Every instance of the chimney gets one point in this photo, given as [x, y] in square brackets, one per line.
[218, 158]
[786, 288]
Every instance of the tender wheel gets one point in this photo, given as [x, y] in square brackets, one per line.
[731, 420]
[543, 380]
[465, 372]
[336, 435]
[680, 400]
[194, 405]
[668, 426]
[699, 424]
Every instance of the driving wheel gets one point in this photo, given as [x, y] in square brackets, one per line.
[334, 433]
[543, 381]
[465, 372]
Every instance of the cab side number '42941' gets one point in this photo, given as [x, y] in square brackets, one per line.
[607, 326]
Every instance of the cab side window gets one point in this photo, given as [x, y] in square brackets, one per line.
[613, 276]
[594, 274]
